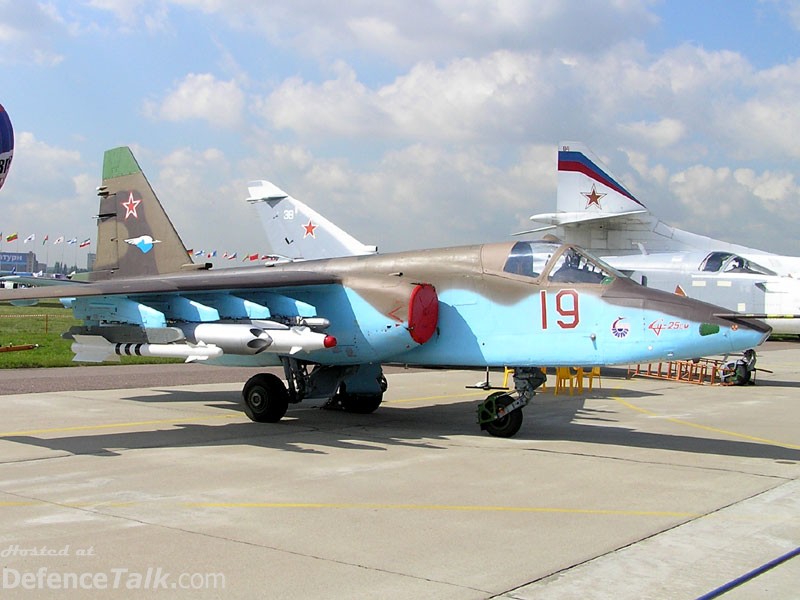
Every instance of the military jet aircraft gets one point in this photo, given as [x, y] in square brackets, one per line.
[333, 323]
[295, 231]
[596, 211]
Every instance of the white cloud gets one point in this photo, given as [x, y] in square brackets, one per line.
[202, 96]
[662, 133]
[46, 191]
[433, 29]
[28, 31]
[739, 205]
[486, 99]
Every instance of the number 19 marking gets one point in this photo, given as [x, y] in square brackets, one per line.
[566, 307]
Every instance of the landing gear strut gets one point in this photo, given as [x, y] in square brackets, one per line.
[355, 388]
[501, 413]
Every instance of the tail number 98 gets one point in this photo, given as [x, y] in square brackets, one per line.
[566, 305]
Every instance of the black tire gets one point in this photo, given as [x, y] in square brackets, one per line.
[362, 404]
[506, 426]
[265, 398]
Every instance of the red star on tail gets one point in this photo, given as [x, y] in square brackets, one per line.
[593, 198]
[309, 230]
[130, 206]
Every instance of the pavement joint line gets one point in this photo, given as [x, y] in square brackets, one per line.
[735, 434]
[96, 510]
[363, 506]
[443, 507]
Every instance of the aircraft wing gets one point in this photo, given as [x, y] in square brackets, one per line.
[217, 281]
[40, 281]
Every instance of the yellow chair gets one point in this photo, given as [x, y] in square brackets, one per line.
[506, 373]
[564, 375]
[591, 374]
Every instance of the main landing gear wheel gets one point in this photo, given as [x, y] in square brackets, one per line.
[265, 398]
[508, 424]
[361, 404]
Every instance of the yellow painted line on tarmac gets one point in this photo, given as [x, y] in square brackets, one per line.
[373, 506]
[440, 397]
[187, 418]
[743, 436]
[102, 426]
[443, 507]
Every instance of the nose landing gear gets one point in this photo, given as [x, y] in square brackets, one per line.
[501, 413]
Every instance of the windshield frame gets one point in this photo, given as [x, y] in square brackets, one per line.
[555, 253]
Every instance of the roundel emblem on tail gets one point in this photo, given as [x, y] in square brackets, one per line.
[143, 242]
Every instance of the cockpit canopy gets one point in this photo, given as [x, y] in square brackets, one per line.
[725, 262]
[558, 263]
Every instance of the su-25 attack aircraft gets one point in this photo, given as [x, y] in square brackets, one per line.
[595, 211]
[332, 323]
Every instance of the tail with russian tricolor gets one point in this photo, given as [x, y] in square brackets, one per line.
[587, 191]
[298, 232]
[134, 234]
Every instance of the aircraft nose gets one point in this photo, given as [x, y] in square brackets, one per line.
[745, 332]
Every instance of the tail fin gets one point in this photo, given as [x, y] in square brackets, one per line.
[587, 191]
[134, 233]
[298, 232]
[585, 184]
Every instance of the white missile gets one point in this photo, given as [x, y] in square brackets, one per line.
[296, 339]
[233, 338]
[95, 348]
[241, 338]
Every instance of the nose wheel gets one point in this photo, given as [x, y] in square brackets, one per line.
[501, 415]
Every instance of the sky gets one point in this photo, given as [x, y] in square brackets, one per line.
[413, 124]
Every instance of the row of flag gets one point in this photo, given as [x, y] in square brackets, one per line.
[231, 255]
[13, 237]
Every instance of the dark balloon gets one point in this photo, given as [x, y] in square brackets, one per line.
[6, 144]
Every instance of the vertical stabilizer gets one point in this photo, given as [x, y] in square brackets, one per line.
[585, 185]
[134, 233]
[296, 231]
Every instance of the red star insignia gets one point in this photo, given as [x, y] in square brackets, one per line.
[309, 230]
[593, 198]
[130, 207]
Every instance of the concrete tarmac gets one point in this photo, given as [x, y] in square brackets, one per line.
[643, 488]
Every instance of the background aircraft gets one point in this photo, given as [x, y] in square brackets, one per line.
[596, 211]
[332, 323]
[721, 278]
[298, 232]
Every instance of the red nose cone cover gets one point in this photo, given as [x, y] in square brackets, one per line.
[423, 312]
[329, 341]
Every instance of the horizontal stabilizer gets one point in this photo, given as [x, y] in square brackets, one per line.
[569, 218]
